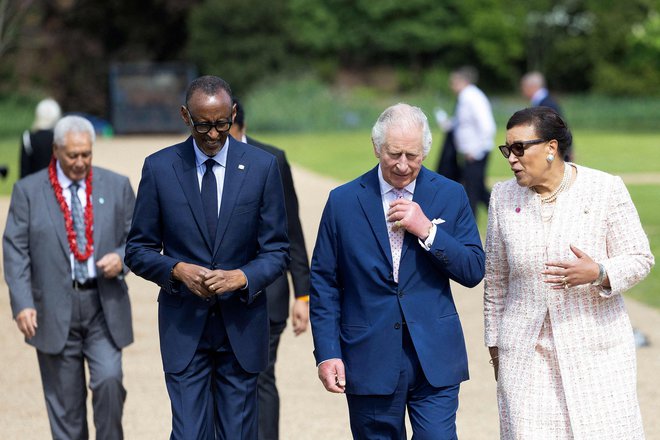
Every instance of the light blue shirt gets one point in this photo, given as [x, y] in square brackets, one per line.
[218, 169]
[539, 96]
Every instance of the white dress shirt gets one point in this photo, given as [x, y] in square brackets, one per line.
[474, 125]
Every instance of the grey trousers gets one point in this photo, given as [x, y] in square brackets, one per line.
[63, 375]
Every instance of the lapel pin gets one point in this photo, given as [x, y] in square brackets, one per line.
[241, 167]
[101, 200]
[517, 209]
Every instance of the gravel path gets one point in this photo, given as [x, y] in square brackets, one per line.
[308, 412]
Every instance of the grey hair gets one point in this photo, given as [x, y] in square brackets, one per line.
[403, 116]
[72, 124]
[534, 78]
[46, 114]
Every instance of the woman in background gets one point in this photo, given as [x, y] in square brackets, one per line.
[37, 145]
[563, 243]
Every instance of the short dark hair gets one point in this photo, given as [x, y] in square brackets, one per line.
[547, 124]
[468, 73]
[239, 119]
[208, 84]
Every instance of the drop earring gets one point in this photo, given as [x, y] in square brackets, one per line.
[550, 158]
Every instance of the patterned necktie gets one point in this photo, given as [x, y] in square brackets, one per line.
[210, 198]
[396, 241]
[77, 215]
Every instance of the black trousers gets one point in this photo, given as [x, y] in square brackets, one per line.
[474, 181]
[269, 398]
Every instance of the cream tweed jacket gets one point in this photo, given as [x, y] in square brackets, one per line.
[592, 333]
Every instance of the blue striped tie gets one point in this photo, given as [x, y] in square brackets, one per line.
[77, 215]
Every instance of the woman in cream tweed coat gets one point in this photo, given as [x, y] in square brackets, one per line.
[564, 242]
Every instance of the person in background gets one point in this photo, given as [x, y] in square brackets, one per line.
[533, 87]
[473, 128]
[278, 293]
[210, 230]
[63, 248]
[564, 243]
[37, 145]
[385, 326]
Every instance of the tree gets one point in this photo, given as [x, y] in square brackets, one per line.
[12, 15]
[241, 41]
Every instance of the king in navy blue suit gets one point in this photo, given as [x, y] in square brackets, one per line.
[385, 326]
[210, 230]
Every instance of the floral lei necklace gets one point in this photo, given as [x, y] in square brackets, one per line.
[68, 220]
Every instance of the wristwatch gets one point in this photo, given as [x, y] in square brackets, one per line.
[601, 276]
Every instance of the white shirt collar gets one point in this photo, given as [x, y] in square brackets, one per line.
[220, 157]
[386, 187]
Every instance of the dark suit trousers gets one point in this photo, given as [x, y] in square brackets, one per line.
[63, 375]
[213, 397]
[432, 410]
[269, 398]
[474, 181]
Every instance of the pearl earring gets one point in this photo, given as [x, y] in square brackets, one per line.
[550, 158]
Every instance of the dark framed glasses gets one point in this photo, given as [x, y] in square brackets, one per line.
[518, 148]
[221, 125]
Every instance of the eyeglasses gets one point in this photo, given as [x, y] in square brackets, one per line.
[221, 126]
[518, 148]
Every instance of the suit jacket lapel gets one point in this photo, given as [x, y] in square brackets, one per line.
[426, 189]
[237, 169]
[186, 172]
[100, 216]
[56, 216]
[372, 204]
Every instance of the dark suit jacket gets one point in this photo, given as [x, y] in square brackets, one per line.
[37, 256]
[356, 306]
[36, 151]
[278, 292]
[548, 101]
[251, 236]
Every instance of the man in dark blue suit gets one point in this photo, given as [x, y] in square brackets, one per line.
[386, 331]
[533, 87]
[210, 230]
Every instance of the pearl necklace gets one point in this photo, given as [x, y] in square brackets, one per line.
[565, 182]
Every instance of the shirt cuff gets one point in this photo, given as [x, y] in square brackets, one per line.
[426, 244]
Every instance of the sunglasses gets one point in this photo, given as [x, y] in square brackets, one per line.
[518, 148]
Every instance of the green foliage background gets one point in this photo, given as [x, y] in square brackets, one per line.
[64, 48]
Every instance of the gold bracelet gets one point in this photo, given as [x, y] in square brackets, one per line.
[303, 298]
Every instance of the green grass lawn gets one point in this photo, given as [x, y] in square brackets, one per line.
[346, 155]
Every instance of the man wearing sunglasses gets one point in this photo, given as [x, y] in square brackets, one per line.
[210, 230]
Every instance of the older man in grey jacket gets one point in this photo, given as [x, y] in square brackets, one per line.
[63, 261]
